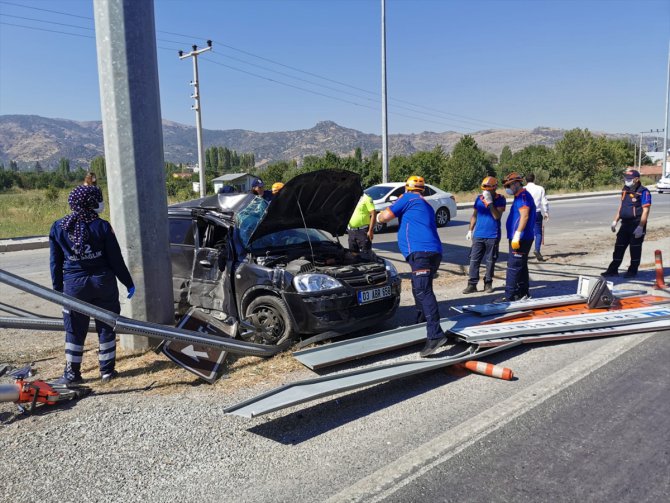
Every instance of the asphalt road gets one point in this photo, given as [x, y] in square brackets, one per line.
[605, 439]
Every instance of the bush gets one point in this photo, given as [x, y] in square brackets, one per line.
[51, 194]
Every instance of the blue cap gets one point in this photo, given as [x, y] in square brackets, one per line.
[257, 183]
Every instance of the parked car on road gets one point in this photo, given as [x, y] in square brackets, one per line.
[383, 195]
[663, 185]
[279, 265]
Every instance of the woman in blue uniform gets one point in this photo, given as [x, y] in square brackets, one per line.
[85, 263]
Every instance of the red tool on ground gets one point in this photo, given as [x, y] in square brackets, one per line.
[660, 281]
[27, 394]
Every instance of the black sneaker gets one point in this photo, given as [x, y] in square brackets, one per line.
[630, 274]
[432, 345]
[539, 256]
[66, 381]
[488, 287]
[105, 378]
[470, 289]
[609, 274]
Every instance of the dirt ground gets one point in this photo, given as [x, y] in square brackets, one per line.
[155, 374]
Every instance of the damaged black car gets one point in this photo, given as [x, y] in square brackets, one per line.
[279, 266]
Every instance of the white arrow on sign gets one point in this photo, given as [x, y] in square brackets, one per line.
[192, 353]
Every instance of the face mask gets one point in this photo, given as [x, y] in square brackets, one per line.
[629, 183]
[509, 191]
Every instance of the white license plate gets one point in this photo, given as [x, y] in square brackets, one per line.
[365, 296]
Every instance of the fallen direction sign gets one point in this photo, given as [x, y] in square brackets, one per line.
[311, 389]
[636, 328]
[203, 361]
[564, 324]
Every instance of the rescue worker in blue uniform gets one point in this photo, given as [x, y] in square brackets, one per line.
[420, 244]
[85, 262]
[520, 224]
[485, 232]
[633, 212]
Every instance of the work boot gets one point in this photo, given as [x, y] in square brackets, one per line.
[488, 287]
[66, 381]
[105, 378]
[470, 289]
[432, 345]
[539, 256]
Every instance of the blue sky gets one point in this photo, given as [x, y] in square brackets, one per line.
[453, 65]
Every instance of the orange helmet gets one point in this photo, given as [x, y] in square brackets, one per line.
[415, 183]
[489, 183]
[511, 178]
[276, 187]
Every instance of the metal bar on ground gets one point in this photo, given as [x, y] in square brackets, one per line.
[564, 323]
[494, 308]
[339, 352]
[311, 389]
[636, 328]
[129, 326]
[49, 324]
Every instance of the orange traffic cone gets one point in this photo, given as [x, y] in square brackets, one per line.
[660, 281]
[488, 369]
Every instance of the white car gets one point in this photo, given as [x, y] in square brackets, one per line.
[384, 194]
[663, 185]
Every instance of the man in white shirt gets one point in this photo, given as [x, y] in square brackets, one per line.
[542, 206]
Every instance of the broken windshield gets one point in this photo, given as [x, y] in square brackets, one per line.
[291, 238]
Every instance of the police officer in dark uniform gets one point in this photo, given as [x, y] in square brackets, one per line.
[421, 246]
[633, 212]
[258, 189]
[85, 262]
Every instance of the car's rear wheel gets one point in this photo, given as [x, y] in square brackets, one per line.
[271, 318]
[442, 217]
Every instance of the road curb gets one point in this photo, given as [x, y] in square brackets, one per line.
[21, 244]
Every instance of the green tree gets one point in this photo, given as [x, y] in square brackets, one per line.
[13, 166]
[99, 167]
[466, 167]
[505, 162]
[64, 166]
[38, 167]
[358, 155]
[537, 159]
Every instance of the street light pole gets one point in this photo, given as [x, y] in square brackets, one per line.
[665, 136]
[198, 119]
[385, 149]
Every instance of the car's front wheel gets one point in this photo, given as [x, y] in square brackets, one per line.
[442, 217]
[272, 320]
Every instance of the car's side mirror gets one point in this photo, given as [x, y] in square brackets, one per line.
[393, 198]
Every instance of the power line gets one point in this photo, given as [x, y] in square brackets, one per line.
[432, 111]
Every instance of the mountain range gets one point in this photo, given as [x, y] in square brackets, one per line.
[30, 138]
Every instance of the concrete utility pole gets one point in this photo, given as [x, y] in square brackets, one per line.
[665, 136]
[198, 119]
[131, 119]
[385, 133]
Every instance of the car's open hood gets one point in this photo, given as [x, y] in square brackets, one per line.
[325, 199]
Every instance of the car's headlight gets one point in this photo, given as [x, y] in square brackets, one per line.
[393, 272]
[315, 283]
